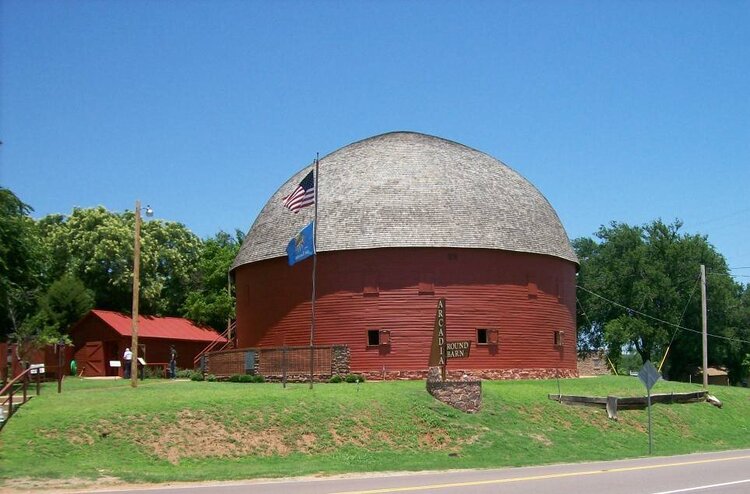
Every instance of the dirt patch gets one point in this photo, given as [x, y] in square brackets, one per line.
[194, 437]
[25, 484]
[338, 440]
[436, 439]
[541, 438]
[195, 434]
[306, 442]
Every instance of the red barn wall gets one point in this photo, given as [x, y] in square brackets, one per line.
[525, 297]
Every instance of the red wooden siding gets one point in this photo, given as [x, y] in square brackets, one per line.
[483, 289]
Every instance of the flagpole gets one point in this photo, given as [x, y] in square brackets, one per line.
[315, 265]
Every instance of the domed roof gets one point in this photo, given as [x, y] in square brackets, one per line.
[405, 189]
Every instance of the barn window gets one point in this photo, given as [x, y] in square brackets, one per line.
[481, 336]
[378, 337]
[559, 338]
[371, 286]
[427, 284]
[486, 336]
[532, 287]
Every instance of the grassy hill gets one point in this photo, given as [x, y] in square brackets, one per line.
[181, 430]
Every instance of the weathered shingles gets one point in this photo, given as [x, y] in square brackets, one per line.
[405, 189]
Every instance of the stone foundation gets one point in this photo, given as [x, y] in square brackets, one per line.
[465, 395]
[473, 374]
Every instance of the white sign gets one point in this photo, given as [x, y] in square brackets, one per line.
[114, 363]
[37, 368]
[141, 361]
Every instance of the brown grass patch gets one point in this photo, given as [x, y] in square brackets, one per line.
[201, 434]
[541, 438]
[436, 439]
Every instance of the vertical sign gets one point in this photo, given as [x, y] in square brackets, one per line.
[438, 357]
[648, 376]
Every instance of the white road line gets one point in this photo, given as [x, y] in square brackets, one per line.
[703, 487]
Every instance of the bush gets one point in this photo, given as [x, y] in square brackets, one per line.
[353, 378]
[185, 373]
[153, 372]
[211, 378]
[246, 378]
[335, 379]
[196, 376]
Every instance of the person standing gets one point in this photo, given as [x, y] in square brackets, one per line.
[172, 362]
[127, 358]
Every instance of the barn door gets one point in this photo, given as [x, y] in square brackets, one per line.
[90, 359]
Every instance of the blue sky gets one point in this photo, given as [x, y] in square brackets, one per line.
[626, 111]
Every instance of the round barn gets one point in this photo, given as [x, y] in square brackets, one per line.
[405, 219]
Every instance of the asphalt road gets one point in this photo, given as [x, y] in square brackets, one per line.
[709, 473]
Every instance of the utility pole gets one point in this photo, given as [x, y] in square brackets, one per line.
[136, 288]
[704, 317]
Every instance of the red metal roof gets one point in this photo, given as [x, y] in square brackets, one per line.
[172, 328]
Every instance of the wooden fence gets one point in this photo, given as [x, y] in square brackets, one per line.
[271, 363]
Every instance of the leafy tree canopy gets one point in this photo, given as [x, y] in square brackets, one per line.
[654, 270]
[52, 271]
[210, 302]
[19, 261]
[66, 301]
[97, 245]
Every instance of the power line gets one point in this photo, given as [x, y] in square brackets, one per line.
[730, 275]
[674, 333]
[657, 319]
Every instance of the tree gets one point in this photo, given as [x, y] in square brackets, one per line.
[65, 302]
[210, 302]
[96, 246]
[19, 262]
[653, 269]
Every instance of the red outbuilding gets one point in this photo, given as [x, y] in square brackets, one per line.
[101, 338]
[405, 219]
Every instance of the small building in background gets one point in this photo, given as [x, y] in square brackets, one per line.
[716, 376]
[101, 338]
[593, 364]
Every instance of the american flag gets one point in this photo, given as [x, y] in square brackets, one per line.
[303, 195]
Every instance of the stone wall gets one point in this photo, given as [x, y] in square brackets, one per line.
[474, 374]
[465, 395]
[340, 360]
[593, 364]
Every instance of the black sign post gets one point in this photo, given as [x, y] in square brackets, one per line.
[648, 376]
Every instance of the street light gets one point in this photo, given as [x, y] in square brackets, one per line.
[136, 289]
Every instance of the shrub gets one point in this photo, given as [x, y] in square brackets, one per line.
[335, 379]
[353, 378]
[210, 378]
[246, 378]
[184, 373]
[196, 376]
[153, 372]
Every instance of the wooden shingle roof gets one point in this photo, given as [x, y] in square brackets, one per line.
[405, 189]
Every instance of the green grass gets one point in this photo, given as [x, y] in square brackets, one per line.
[187, 431]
